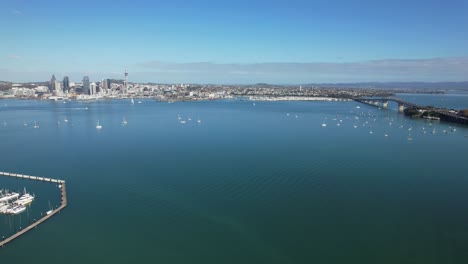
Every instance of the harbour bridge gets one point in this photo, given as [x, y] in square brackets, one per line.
[445, 114]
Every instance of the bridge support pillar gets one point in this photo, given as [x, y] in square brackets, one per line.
[401, 108]
[385, 104]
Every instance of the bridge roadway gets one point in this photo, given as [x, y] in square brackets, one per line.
[63, 190]
[372, 101]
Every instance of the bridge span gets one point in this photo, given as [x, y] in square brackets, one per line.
[445, 114]
[402, 104]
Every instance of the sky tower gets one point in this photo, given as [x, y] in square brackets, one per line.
[126, 81]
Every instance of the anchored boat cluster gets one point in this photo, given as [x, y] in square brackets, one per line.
[13, 203]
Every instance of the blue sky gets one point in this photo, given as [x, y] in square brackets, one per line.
[209, 41]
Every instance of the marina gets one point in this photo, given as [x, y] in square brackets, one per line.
[26, 199]
[13, 203]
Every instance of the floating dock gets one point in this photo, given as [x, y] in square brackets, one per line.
[63, 189]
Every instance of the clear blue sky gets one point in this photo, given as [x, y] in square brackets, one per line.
[235, 41]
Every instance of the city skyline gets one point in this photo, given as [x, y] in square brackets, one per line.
[241, 42]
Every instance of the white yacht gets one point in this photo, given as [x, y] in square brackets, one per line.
[15, 209]
[9, 196]
[25, 199]
[124, 122]
[36, 125]
[50, 210]
[3, 208]
[98, 126]
[65, 120]
[139, 102]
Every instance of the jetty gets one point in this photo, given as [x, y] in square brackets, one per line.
[63, 190]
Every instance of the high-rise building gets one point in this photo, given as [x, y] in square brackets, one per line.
[52, 83]
[66, 84]
[58, 88]
[86, 85]
[92, 88]
[104, 84]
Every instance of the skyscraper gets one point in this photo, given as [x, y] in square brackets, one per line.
[58, 88]
[52, 83]
[66, 84]
[86, 85]
[92, 88]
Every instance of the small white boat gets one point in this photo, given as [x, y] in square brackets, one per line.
[131, 101]
[124, 122]
[182, 121]
[15, 209]
[36, 125]
[98, 126]
[65, 120]
[324, 125]
[49, 212]
[25, 199]
[139, 102]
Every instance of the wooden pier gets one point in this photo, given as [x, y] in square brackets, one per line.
[63, 190]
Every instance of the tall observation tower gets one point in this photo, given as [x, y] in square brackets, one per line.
[126, 81]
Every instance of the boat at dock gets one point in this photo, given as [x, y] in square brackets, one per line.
[15, 209]
[431, 117]
[8, 196]
[25, 199]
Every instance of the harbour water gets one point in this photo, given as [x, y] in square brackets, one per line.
[263, 183]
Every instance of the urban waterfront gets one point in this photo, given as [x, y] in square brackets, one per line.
[238, 182]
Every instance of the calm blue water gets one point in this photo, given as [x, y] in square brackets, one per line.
[249, 184]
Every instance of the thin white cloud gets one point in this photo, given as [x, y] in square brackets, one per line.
[434, 69]
[16, 12]
[13, 57]
[391, 70]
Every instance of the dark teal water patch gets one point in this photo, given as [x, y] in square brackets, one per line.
[248, 184]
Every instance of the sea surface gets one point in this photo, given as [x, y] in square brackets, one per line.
[263, 183]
